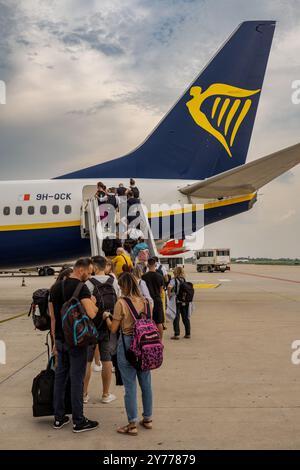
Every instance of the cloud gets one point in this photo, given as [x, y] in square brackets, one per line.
[102, 105]
[7, 27]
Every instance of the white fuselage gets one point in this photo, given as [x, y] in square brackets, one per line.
[69, 192]
[40, 219]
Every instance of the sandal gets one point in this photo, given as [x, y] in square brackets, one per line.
[129, 429]
[147, 424]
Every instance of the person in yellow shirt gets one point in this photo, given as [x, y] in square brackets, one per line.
[122, 259]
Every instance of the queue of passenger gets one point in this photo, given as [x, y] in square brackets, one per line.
[113, 301]
[115, 292]
[114, 197]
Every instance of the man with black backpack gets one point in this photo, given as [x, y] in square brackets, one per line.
[183, 292]
[106, 291]
[66, 295]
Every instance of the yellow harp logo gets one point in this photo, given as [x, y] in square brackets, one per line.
[219, 108]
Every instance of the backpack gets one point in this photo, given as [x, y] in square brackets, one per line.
[112, 200]
[146, 349]
[186, 291]
[136, 192]
[160, 270]
[79, 329]
[39, 310]
[110, 245]
[143, 255]
[106, 298]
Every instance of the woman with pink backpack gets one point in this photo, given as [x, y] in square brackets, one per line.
[139, 350]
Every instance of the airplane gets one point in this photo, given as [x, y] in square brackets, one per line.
[196, 155]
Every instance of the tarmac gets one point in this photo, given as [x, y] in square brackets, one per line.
[231, 386]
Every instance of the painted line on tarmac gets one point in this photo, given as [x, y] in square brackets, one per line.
[206, 286]
[21, 368]
[268, 277]
[12, 318]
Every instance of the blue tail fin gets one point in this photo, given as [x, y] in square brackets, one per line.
[208, 130]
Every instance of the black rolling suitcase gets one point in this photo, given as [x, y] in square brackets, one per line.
[43, 390]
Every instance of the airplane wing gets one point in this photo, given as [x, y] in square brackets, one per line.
[246, 178]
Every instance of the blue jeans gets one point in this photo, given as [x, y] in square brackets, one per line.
[70, 363]
[129, 375]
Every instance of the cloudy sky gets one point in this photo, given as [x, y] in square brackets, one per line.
[87, 80]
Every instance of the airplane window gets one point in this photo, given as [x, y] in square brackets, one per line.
[6, 210]
[68, 209]
[19, 210]
[55, 209]
[30, 210]
[43, 210]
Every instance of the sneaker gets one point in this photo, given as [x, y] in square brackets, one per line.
[86, 398]
[87, 425]
[175, 337]
[109, 398]
[187, 336]
[97, 367]
[59, 423]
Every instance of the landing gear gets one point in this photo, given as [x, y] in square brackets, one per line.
[46, 271]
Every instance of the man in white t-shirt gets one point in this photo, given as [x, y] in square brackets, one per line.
[160, 268]
[106, 290]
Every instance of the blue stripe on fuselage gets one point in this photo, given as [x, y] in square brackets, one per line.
[41, 247]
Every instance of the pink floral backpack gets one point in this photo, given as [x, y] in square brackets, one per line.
[146, 349]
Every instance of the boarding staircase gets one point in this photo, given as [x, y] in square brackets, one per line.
[96, 231]
[147, 231]
[91, 226]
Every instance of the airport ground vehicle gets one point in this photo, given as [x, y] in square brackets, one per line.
[213, 259]
[170, 262]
